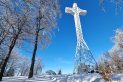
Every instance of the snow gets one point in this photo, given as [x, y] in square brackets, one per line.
[64, 78]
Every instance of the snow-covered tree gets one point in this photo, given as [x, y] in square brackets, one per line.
[45, 13]
[17, 65]
[116, 52]
[12, 64]
[50, 72]
[60, 72]
[23, 20]
[17, 23]
[118, 4]
[114, 56]
[38, 67]
[23, 67]
[118, 40]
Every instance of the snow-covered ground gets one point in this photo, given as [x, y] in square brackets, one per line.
[64, 78]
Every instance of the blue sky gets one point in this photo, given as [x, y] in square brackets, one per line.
[98, 28]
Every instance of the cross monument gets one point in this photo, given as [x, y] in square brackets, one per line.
[84, 60]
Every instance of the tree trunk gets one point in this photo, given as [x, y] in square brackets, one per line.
[8, 55]
[33, 56]
[35, 45]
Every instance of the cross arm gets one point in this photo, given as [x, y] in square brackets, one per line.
[82, 12]
[69, 10]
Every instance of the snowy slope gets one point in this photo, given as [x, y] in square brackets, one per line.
[64, 78]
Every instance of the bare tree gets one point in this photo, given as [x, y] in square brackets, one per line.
[17, 21]
[45, 15]
[23, 67]
[116, 52]
[12, 64]
[38, 67]
[114, 57]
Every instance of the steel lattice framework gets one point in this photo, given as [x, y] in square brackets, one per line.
[84, 60]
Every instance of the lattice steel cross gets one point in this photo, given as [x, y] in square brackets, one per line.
[83, 55]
